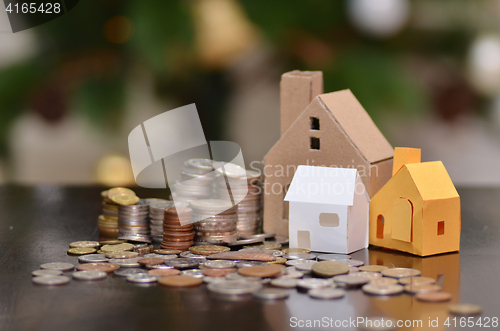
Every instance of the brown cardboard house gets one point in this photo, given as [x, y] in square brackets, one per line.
[330, 129]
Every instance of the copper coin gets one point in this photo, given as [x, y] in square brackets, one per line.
[261, 271]
[239, 255]
[151, 261]
[434, 296]
[106, 267]
[217, 272]
[174, 235]
[178, 228]
[180, 281]
[178, 221]
[177, 239]
[164, 272]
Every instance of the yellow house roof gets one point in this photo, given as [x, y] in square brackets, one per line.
[432, 180]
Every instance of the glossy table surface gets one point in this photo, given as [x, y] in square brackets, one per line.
[38, 223]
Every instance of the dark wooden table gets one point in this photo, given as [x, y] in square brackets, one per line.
[38, 223]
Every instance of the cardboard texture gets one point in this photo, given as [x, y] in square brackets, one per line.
[328, 210]
[418, 210]
[333, 130]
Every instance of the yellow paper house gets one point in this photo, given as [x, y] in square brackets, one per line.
[418, 209]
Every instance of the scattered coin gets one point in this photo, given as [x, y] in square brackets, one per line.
[383, 290]
[219, 264]
[326, 293]
[112, 242]
[313, 283]
[260, 271]
[293, 263]
[46, 272]
[86, 244]
[117, 248]
[126, 263]
[121, 255]
[434, 296]
[271, 294]
[208, 279]
[329, 268]
[296, 250]
[243, 264]
[465, 309]
[351, 280]
[89, 258]
[279, 260]
[218, 272]
[422, 288]
[353, 270]
[293, 274]
[285, 282]
[89, 275]
[333, 257]
[373, 268]
[196, 273]
[305, 265]
[266, 245]
[246, 241]
[164, 272]
[180, 281]
[234, 287]
[183, 263]
[125, 199]
[417, 280]
[383, 281]
[190, 255]
[300, 256]
[159, 256]
[81, 251]
[106, 267]
[50, 280]
[237, 276]
[400, 272]
[243, 255]
[354, 263]
[150, 261]
[129, 271]
[281, 240]
[142, 278]
[118, 190]
[58, 266]
[167, 251]
[208, 249]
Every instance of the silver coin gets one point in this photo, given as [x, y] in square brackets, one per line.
[293, 263]
[46, 272]
[129, 271]
[333, 257]
[243, 264]
[293, 274]
[237, 276]
[183, 263]
[351, 280]
[93, 258]
[126, 263]
[208, 279]
[58, 266]
[300, 256]
[306, 265]
[326, 293]
[378, 324]
[196, 273]
[281, 240]
[234, 287]
[246, 241]
[142, 278]
[382, 289]
[285, 282]
[353, 270]
[159, 256]
[158, 266]
[271, 294]
[273, 252]
[51, 280]
[259, 235]
[312, 283]
[354, 263]
[219, 264]
[188, 254]
[89, 275]
[400, 272]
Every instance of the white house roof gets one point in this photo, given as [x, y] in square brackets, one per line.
[325, 185]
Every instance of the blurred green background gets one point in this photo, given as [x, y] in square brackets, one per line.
[428, 72]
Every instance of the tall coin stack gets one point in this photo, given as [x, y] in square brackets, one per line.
[156, 215]
[196, 181]
[215, 221]
[175, 234]
[108, 220]
[133, 222]
[250, 208]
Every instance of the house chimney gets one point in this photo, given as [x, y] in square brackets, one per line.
[405, 155]
[297, 89]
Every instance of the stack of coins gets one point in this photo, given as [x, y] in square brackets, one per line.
[248, 189]
[215, 221]
[196, 181]
[108, 221]
[156, 216]
[133, 222]
[178, 231]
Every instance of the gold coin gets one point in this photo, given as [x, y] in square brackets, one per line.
[208, 249]
[167, 251]
[434, 296]
[112, 242]
[125, 199]
[118, 190]
[81, 250]
[266, 245]
[400, 272]
[330, 268]
[373, 268]
[117, 248]
[422, 288]
[91, 244]
[104, 194]
[180, 281]
[295, 250]
[416, 280]
[279, 260]
[465, 309]
[121, 255]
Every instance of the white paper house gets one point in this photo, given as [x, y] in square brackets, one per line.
[328, 210]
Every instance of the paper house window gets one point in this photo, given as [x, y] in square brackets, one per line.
[314, 123]
[380, 227]
[329, 220]
[304, 239]
[440, 228]
[315, 143]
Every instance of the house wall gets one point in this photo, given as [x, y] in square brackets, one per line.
[357, 226]
[305, 216]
